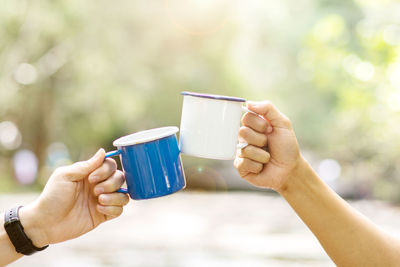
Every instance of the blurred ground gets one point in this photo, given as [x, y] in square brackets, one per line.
[200, 229]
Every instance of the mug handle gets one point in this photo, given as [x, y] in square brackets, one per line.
[112, 154]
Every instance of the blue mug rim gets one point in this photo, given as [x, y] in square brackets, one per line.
[165, 132]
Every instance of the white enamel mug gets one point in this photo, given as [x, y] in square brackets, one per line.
[210, 125]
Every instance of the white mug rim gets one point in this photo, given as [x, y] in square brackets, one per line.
[212, 96]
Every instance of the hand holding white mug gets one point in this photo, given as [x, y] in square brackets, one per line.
[270, 129]
[210, 125]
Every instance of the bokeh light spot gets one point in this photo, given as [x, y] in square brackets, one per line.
[329, 170]
[10, 137]
[391, 34]
[364, 71]
[25, 74]
[57, 155]
[25, 166]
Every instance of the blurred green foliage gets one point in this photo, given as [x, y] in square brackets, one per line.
[86, 72]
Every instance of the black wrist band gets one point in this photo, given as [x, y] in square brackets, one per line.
[16, 233]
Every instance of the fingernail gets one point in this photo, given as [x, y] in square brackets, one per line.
[269, 129]
[98, 190]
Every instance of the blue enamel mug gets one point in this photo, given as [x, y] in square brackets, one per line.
[151, 163]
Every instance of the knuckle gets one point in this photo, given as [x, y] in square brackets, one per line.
[113, 182]
[286, 121]
[120, 173]
[258, 167]
[258, 155]
[112, 164]
[262, 125]
[247, 164]
[244, 119]
[243, 131]
[243, 174]
[240, 153]
[60, 170]
[253, 166]
[268, 104]
[119, 178]
[244, 152]
[247, 150]
[265, 158]
[102, 200]
[254, 122]
[247, 118]
[112, 177]
[240, 166]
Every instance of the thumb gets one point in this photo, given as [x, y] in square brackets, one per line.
[82, 169]
[270, 113]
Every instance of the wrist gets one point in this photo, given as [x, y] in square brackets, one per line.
[32, 225]
[296, 177]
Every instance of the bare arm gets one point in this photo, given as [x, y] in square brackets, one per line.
[349, 238]
[8, 253]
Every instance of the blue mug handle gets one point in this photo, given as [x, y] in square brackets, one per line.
[112, 154]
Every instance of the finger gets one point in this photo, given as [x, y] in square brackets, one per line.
[112, 184]
[271, 113]
[252, 137]
[113, 211]
[246, 166]
[82, 169]
[254, 153]
[113, 199]
[255, 122]
[108, 167]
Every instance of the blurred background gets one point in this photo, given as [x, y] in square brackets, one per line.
[75, 75]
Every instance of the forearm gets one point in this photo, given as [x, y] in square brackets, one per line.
[7, 250]
[348, 237]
